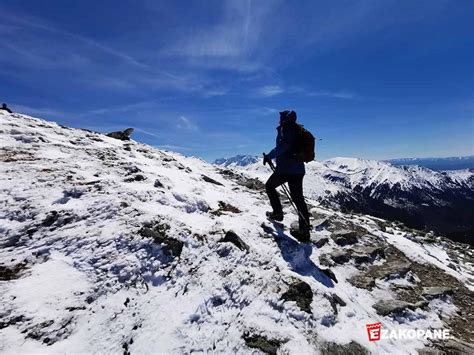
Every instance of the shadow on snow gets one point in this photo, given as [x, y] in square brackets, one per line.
[298, 257]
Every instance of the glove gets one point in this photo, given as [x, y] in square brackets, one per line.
[265, 159]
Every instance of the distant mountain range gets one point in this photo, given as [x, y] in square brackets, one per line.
[451, 163]
[439, 164]
[238, 160]
[442, 201]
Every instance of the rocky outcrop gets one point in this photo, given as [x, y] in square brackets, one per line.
[241, 179]
[121, 135]
[159, 233]
[12, 272]
[345, 237]
[389, 307]
[351, 348]
[264, 344]
[299, 292]
[436, 292]
[232, 237]
[211, 180]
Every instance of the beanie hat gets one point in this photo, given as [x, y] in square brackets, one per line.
[287, 117]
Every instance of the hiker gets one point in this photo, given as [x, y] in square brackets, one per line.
[5, 108]
[289, 169]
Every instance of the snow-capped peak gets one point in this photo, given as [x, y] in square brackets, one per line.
[238, 160]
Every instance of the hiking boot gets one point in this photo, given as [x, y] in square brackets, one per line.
[275, 216]
[302, 236]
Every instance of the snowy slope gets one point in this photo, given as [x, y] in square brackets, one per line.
[110, 247]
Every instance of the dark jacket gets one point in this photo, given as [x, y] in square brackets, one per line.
[284, 151]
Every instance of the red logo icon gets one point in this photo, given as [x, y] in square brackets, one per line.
[373, 331]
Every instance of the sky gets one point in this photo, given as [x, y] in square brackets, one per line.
[374, 79]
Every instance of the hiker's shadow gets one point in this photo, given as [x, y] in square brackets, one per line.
[298, 257]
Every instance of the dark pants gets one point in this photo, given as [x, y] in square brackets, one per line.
[295, 183]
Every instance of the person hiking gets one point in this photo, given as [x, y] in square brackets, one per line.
[5, 108]
[289, 169]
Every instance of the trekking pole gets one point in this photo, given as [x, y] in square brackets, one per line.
[288, 195]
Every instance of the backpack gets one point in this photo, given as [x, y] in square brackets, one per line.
[305, 145]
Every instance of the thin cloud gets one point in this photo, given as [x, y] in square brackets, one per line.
[335, 94]
[122, 108]
[84, 59]
[35, 23]
[43, 112]
[266, 111]
[270, 90]
[174, 147]
[234, 42]
[273, 90]
[186, 124]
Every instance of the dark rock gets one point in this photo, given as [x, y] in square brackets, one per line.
[91, 298]
[301, 293]
[240, 179]
[158, 184]
[343, 238]
[351, 348]
[93, 182]
[210, 180]
[132, 169]
[231, 237]
[335, 301]
[12, 321]
[252, 184]
[121, 135]
[50, 219]
[268, 346]
[325, 261]
[11, 273]
[338, 300]
[321, 222]
[38, 331]
[166, 158]
[158, 232]
[217, 301]
[363, 254]
[320, 242]
[225, 207]
[394, 268]
[74, 308]
[387, 307]
[138, 177]
[13, 240]
[362, 281]
[436, 292]
[339, 257]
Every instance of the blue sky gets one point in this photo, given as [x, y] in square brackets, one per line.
[373, 79]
